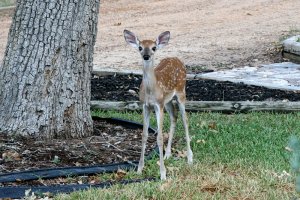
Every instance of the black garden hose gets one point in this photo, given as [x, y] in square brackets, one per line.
[19, 192]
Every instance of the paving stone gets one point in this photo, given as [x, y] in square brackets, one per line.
[284, 76]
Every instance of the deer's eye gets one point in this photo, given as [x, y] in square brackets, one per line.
[140, 48]
[154, 49]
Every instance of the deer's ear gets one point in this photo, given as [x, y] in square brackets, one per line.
[131, 39]
[163, 39]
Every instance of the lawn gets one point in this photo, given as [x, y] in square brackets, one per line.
[238, 156]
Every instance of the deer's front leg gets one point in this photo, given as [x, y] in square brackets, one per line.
[159, 118]
[146, 118]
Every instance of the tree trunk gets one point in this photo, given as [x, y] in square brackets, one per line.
[45, 75]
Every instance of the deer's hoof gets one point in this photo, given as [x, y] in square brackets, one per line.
[163, 177]
[190, 157]
[167, 155]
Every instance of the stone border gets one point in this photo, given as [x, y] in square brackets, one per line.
[291, 48]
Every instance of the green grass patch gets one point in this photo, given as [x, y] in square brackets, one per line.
[291, 32]
[5, 3]
[236, 156]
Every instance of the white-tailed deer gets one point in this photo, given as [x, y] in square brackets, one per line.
[160, 84]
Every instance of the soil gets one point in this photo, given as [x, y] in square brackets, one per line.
[211, 34]
[109, 143]
[126, 88]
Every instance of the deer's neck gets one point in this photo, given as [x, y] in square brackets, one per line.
[149, 78]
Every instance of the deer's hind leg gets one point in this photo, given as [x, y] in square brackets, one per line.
[181, 103]
[159, 112]
[170, 108]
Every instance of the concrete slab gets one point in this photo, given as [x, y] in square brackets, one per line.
[292, 45]
[284, 76]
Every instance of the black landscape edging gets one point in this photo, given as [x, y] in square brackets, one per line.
[50, 173]
[18, 192]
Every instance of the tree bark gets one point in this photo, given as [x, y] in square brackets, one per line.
[45, 75]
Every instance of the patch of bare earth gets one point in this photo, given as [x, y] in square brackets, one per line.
[211, 33]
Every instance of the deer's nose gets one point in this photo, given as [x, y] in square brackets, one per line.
[146, 57]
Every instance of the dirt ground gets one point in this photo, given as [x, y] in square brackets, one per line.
[213, 34]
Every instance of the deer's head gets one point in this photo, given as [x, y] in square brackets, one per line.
[147, 48]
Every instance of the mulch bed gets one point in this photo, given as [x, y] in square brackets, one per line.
[126, 88]
[109, 143]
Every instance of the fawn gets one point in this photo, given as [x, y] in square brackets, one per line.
[159, 85]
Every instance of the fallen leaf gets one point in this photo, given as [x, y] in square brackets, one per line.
[62, 180]
[16, 156]
[288, 149]
[132, 92]
[209, 188]
[11, 155]
[201, 141]
[120, 174]
[214, 188]
[94, 179]
[212, 125]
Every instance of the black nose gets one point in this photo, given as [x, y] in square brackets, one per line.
[146, 57]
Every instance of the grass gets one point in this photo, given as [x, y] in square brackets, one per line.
[291, 32]
[197, 69]
[240, 156]
[5, 3]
